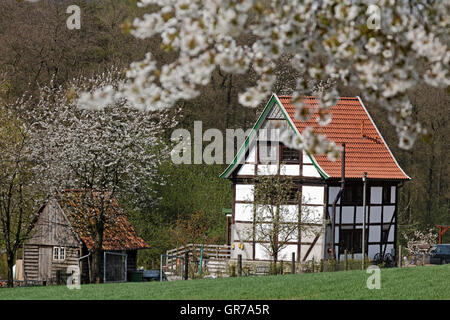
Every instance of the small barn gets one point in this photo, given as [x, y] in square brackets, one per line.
[61, 243]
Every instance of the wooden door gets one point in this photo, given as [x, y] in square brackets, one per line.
[45, 263]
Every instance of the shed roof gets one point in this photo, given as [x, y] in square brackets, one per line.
[119, 234]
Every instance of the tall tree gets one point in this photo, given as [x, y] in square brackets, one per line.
[104, 153]
[21, 193]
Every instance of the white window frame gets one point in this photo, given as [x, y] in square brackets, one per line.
[59, 253]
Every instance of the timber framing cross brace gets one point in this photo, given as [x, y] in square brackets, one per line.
[442, 231]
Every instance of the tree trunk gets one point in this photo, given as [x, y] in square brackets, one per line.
[275, 263]
[10, 261]
[97, 267]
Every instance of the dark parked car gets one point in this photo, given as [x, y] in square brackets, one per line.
[440, 254]
[153, 275]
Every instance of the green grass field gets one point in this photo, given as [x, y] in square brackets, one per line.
[431, 282]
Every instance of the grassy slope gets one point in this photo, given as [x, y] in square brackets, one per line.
[408, 283]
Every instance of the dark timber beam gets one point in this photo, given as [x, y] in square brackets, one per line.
[333, 211]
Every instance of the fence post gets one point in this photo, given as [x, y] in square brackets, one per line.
[313, 264]
[240, 265]
[399, 256]
[346, 260]
[186, 265]
[293, 263]
[423, 258]
[160, 268]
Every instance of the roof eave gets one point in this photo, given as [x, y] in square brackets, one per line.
[386, 145]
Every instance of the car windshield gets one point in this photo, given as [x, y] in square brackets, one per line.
[444, 248]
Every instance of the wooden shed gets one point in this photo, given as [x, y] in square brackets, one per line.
[60, 243]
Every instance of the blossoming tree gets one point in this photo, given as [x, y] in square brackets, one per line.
[383, 49]
[102, 154]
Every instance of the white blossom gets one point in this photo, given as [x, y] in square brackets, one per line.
[327, 39]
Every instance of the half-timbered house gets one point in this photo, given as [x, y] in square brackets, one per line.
[61, 242]
[318, 179]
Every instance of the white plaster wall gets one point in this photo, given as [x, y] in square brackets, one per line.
[310, 171]
[242, 232]
[261, 253]
[290, 169]
[317, 251]
[376, 194]
[289, 213]
[263, 212]
[285, 254]
[243, 212]
[244, 192]
[306, 159]
[292, 237]
[261, 230]
[313, 194]
[267, 169]
[312, 214]
[247, 252]
[247, 170]
[308, 234]
[252, 154]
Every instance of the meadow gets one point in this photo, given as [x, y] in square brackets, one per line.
[424, 283]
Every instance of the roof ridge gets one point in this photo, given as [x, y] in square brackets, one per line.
[315, 97]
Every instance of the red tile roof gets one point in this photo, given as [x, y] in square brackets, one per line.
[350, 118]
[119, 234]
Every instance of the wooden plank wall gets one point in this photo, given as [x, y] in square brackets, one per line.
[31, 262]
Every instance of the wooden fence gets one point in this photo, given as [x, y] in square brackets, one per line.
[210, 251]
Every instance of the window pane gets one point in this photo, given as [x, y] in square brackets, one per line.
[290, 155]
